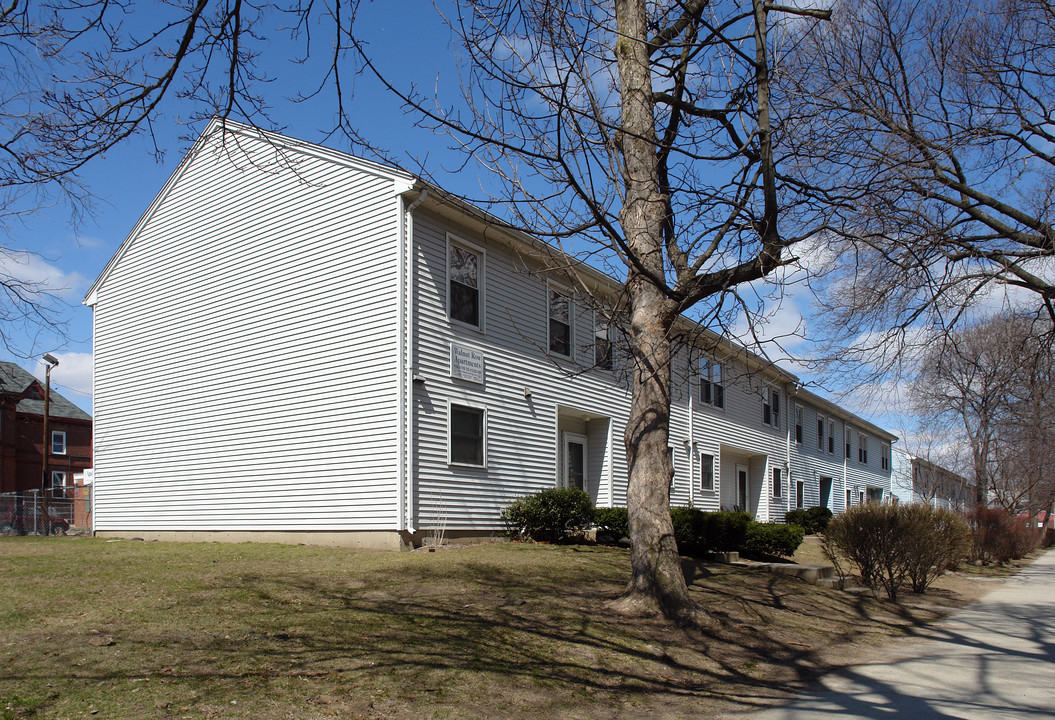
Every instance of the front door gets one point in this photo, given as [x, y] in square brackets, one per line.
[826, 492]
[575, 461]
[741, 488]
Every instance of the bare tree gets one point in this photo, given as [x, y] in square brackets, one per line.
[930, 124]
[996, 379]
[647, 130]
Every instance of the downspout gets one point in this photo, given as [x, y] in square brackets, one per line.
[401, 372]
[408, 370]
[692, 439]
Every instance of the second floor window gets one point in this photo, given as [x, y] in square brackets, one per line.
[884, 457]
[771, 407]
[821, 424]
[602, 343]
[58, 442]
[831, 437]
[464, 292]
[862, 449]
[798, 424]
[559, 323]
[712, 387]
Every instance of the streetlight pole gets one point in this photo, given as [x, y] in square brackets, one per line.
[50, 361]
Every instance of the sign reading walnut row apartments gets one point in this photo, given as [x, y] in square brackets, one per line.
[467, 364]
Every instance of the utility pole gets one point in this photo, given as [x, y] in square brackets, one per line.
[50, 361]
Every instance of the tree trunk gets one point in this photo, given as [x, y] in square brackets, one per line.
[657, 582]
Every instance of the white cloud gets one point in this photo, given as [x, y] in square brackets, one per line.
[38, 273]
[73, 374]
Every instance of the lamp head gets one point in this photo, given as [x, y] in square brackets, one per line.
[51, 359]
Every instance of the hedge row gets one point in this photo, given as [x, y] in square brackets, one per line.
[560, 513]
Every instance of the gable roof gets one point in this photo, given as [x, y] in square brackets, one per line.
[14, 380]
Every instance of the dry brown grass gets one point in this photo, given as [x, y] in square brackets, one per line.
[90, 628]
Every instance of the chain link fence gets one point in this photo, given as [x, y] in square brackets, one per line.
[68, 510]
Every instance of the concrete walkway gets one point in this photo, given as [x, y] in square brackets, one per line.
[993, 659]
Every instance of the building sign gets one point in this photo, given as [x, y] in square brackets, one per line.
[467, 364]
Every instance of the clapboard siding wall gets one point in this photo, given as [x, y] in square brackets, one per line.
[244, 379]
[522, 432]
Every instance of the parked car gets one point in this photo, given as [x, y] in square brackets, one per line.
[18, 520]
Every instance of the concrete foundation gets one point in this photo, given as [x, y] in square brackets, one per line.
[388, 540]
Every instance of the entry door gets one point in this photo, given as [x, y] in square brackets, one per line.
[826, 492]
[741, 487]
[575, 461]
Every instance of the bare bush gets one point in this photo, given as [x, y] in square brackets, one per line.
[937, 538]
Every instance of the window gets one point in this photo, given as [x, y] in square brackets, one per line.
[58, 442]
[849, 499]
[800, 494]
[58, 483]
[602, 342]
[798, 424]
[712, 390]
[771, 407]
[820, 433]
[831, 437]
[465, 270]
[862, 449]
[559, 323]
[847, 433]
[777, 478]
[884, 456]
[466, 435]
[707, 473]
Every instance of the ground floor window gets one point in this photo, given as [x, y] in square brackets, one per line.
[707, 473]
[777, 482]
[58, 482]
[800, 495]
[466, 435]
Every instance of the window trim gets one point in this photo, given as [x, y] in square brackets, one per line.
[552, 287]
[831, 436]
[862, 448]
[884, 456]
[710, 465]
[848, 432]
[822, 426]
[777, 482]
[57, 434]
[800, 433]
[800, 494]
[451, 404]
[705, 381]
[481, 281]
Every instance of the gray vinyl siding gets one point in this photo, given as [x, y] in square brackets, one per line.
[245, 351]
[523, 444]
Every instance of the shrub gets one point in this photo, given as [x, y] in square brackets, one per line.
[872, 538]
[889, 544]
[999, 536]
[772, 539]
[725, 531]
[819, 518]
[689, 530]
[550, 515]
[813, 521]
[613, 521]
[937, 538]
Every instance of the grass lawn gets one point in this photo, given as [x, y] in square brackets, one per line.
[91, 628]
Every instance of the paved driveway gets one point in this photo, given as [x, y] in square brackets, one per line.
[993, 659]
